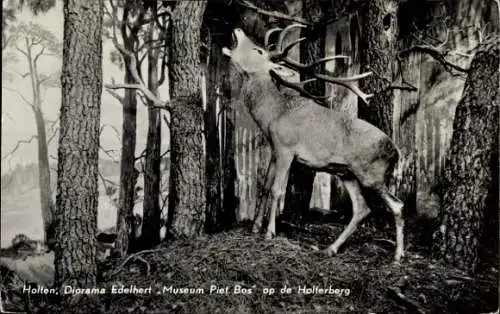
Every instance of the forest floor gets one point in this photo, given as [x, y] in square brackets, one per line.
[364, 267]
[360, 279]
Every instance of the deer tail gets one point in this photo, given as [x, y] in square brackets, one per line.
[398, 169]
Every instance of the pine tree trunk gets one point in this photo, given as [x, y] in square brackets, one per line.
[150, 235]
[77, 186]
[471, 165]
[300, 184]
[378, 47]
[187, 178]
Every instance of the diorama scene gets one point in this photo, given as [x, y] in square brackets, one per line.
[250, 156]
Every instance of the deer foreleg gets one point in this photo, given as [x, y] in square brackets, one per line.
[359, 211]
[278, 189]
[263, 202]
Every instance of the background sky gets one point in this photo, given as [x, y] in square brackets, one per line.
[18, 122]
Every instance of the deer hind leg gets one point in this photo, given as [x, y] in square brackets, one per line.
[262, 206]
[278, 189]
[396, 207]
[359, 211]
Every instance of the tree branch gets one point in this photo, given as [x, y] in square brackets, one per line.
[163, 28]
[274, 14]
[164, 201]
[22, 51]
[115, 95]
[167, 121]
[23, 75]
[35, 42]
[108, 152]
[8, 115]
[161, 80]
[106, 187]
[38, 55]
[142, 155]
[20, 95]
[146, 92]
[18, 144]
[406, 86]
[437, 54]
[133, 68]
[52, 136]
[165, 153]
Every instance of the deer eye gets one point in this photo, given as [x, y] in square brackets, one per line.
[258, 50]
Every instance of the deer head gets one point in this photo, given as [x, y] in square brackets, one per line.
[246, 56]
[274, 60]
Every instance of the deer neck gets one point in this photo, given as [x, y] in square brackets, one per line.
[263, 99]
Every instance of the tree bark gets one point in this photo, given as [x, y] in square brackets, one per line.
[378, 47]
[128, 172]
[300, 184]
[188, 186]
[150, 235]
[77, 185]
[472, 165]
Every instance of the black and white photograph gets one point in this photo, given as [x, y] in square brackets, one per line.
[250, 156]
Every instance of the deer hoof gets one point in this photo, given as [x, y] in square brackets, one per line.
[398, 256]
[255, 229]
[328, 252]
[269, 236]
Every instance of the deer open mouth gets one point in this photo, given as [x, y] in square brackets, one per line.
[234, 40]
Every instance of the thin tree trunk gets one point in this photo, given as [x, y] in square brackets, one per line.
[188, 186]
[44, 179]
[77, 185]
[214, 197]
[128, 173]
[152, 213]
[300, 184]
[227, 163]
[472, 164]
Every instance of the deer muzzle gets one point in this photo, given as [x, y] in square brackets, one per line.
[236, 34]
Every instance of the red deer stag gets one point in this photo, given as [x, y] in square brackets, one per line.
[322, 139]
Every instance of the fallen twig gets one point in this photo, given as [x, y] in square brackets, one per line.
[133, 256]
[399, 296]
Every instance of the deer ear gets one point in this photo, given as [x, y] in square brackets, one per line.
[226, 51]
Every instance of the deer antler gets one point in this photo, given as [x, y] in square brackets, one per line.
[299, 86]
[280, 55]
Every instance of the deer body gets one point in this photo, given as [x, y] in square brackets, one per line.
[322, 139]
